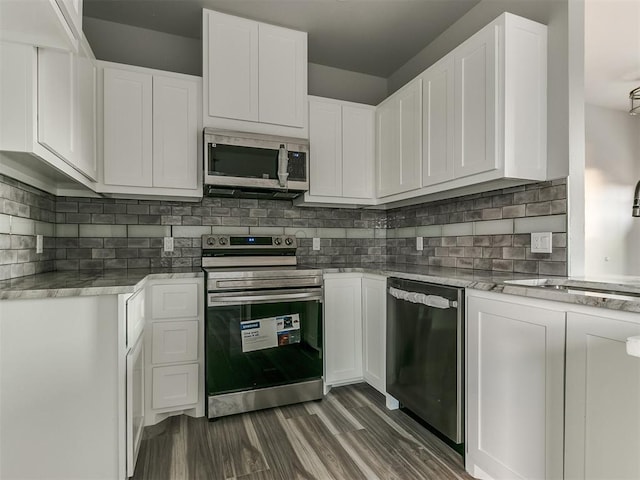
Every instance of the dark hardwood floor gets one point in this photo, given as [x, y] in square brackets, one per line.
[348, 435]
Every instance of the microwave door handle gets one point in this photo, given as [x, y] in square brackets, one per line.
[283, 164]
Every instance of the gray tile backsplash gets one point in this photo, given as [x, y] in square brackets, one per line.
[488, 231]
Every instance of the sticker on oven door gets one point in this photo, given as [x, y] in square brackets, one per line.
[270, 332]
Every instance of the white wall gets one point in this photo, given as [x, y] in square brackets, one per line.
[612, 235]
[120, 43]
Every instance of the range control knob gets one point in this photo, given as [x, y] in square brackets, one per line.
[288, 241]
[222, 241]
[277, 241]
[211, 241]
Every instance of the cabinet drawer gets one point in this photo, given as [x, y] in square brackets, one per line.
[175, 386]
[135, 317]
[174, 301]
[174, 342]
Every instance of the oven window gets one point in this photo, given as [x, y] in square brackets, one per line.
[233, 366]
[236, 161]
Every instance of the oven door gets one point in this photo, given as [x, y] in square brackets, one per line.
[264, 338]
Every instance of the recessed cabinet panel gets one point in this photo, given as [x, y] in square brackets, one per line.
[57, 102]
[410, 100]
[233, 67]
[282, 74]
[127, 128]
[603, 390]
[174, 342]
[135, 317]
[388, 149]
[175, 133]
[476, 109]
[175, 386]
[174, 301]
[357, 151]
[437, 122]
[325, 142]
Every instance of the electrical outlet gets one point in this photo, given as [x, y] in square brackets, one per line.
[168, 244]
[419, 243]
[541, 242]
[39, 244]
[316, 243]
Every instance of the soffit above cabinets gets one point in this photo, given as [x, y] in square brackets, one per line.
[368, 36]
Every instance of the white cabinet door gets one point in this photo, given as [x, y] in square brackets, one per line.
[135, 404]
[603, 398]
[410, 105]
[374, 325]
[86, 120]
[282, 74]
[175, 133]
[175, 385]
[343, 330]
[174, 342]
[233, 67]
[476, 103]
[325, 143]
[57, 102]
[514, 394]
[437, 122]
[174, 301]
[127, 128]
[388, 146]
[358, 127]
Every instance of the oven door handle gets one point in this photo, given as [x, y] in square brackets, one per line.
[218, 299]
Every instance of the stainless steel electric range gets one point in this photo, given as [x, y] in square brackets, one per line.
[263, 341]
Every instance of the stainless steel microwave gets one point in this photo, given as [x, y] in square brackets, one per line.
[254, 162]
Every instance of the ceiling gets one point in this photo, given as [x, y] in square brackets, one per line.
[612, 51]
[367, 36]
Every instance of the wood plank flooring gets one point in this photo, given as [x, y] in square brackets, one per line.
[348, 435]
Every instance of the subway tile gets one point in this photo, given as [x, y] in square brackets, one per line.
[550, 223]
[266, 231]
[449, 241]
[457, 229]
[331, 233]
[102, 231]
[5, 223]
[103, 253]
[502, 265]
[22, 226]
[46, 229]
[190, 231]
[360, 233]
[493, 227]
[552, 268]
[91, 243]
[149, 230]
[513, 211]
[537, 209]
[224, 230]
[429, 231]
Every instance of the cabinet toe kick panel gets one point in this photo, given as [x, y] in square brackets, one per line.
[246, 401]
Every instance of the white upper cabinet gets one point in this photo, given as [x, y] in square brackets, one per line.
[42, 23]
[151, 133]
[232, 72]
[48, 111]
[341, 138]
[476, 89]
[437, 122]
[255, 76]
[175, 133]
[484, 118]
[399, 137]
[127, 128]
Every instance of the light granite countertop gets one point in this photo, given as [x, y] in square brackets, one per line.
[616, 293]
[75, 284]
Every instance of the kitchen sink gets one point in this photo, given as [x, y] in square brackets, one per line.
[579, 287]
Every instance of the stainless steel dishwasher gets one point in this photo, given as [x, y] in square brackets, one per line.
[425, 352]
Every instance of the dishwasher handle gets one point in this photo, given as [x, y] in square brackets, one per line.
[435, 301]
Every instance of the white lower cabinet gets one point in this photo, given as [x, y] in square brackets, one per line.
[514, 388]
[175, 339]
[135, 404]
[603, 397]
[343, 328]
[374, 326]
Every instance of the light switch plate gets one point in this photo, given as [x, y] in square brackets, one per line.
[419, 243]
[316, 243]
[168, 244]
[39, 244]
[541, 242]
